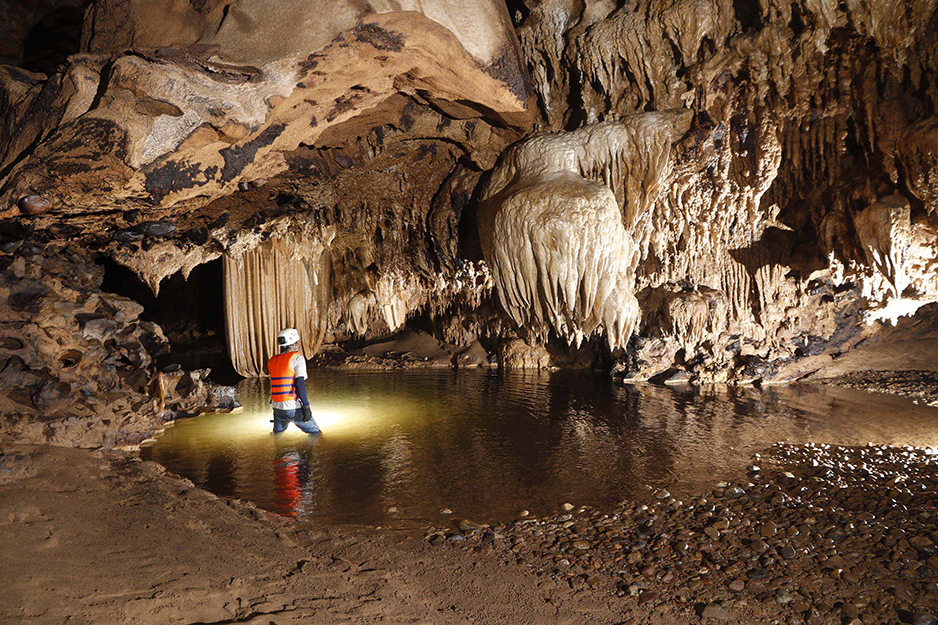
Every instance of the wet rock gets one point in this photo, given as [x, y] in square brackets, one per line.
[923, 544]
[34, 204]
[923, 618]
[735, 492]
[768, 530]
[567, 507]
[155, 228]
[648, 596]
[9, 247]
[127, 236]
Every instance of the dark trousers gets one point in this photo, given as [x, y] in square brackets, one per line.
[283, 418]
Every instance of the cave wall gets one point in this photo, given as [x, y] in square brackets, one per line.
[802, 176]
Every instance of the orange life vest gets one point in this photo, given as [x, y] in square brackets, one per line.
[282, 384]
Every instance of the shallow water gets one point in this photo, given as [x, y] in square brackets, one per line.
[398, 447]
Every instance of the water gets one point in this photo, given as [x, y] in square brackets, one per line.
[398, 447]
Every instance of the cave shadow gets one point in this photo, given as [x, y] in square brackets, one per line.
[190, 312]
[54, 38]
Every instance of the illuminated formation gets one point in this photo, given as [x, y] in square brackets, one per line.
[281, 283]
[557, 221]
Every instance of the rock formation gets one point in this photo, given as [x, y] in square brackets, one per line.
[557, 222]
[693, 190]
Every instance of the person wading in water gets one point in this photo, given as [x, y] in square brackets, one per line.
[288, 385]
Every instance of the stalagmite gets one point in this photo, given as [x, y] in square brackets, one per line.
[554, 233]
[279, 284]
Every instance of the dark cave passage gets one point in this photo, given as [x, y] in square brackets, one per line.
[190, 312]
[53, 39]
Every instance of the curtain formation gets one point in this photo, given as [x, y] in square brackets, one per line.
[281, 283]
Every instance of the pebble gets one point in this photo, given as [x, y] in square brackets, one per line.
[34, 204]
[647, 596]
[714, 611]
[567, 507]
[923, 618]
[662, 494]
[768, 530]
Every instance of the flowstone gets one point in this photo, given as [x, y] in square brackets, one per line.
[557, 219]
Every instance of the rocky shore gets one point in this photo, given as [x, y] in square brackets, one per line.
[817, 534]
[919, 386]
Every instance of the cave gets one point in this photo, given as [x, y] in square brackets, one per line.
[54, 38]
[445, 310]
[190, 311]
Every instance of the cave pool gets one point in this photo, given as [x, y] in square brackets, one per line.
[399, 448]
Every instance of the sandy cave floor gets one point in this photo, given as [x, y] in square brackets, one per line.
[102, 537]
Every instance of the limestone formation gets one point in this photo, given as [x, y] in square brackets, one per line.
[78, 364]
[282, 283]
[559, 243]
[176, 105]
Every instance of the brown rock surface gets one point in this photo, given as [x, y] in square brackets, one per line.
[77, 363]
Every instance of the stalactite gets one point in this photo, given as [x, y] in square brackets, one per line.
[281, 283]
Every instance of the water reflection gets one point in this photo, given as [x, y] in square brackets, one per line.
[403, 445]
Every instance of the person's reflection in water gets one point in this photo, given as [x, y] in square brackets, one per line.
[292, 489]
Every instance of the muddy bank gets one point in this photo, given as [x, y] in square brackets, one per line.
[105, 538]
[817, 535]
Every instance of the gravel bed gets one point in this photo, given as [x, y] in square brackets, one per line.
[817, 534]
[919, 386]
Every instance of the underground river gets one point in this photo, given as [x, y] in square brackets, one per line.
[407, 448]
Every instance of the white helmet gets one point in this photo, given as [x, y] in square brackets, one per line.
[287, 337]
